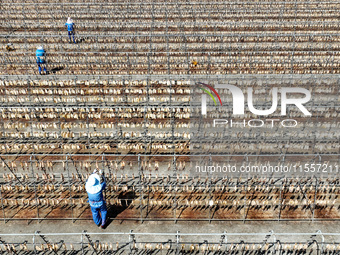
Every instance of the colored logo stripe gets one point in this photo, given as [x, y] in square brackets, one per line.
[212, 89]
[209, 95]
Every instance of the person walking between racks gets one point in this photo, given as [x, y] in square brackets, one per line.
[40, 54]
[70, 29]
[95, 186]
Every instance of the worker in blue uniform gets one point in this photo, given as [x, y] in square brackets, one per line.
[40, 54]
[95, 186]
[70, 29]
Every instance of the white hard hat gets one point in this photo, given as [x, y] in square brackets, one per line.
[69, 20]
[92, 185]
[40, 47]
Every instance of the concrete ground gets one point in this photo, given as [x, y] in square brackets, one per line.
[169, 230]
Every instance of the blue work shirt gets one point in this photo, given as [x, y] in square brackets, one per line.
[69, 26]
[97, 200]
[40, 54]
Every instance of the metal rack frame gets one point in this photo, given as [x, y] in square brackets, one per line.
[178, 242]
[141, 184]
[184, 18]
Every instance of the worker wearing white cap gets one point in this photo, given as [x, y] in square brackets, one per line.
[70, 29]
[40, 55]
[94, 186]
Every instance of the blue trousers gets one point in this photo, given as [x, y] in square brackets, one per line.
[69, 36]
[41, 69]
[99, 219]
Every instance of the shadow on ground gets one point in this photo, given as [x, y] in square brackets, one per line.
[56, 69]
[114, 210]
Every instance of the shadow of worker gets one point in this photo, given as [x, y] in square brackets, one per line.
[114, 210]
[56, 69]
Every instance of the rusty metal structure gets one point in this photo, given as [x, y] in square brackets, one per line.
[160, 187]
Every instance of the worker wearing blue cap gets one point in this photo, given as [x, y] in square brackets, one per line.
[41, 62]
[70, 29]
